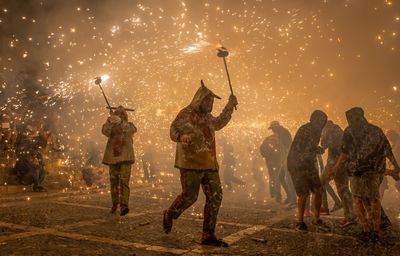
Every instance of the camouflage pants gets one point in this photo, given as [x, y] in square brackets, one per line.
[119, 183]
[342, 185]
[211, 185]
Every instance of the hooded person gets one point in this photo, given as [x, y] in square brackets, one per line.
[119, 156]
[394, 138]
[331, 140]
[364, 151]
[302, 166]
[194, 132]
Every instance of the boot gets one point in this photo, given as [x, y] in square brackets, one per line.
[124, 210]
[211, 239]
[167, 222]
[114, 209]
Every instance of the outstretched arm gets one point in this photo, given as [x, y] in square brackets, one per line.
[223, 119]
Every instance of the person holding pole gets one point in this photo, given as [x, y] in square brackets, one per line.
[194, 132]
[119, 156]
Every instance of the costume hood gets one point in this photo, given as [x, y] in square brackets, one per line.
[199, 96]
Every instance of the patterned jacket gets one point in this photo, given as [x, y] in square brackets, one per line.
[200, 154]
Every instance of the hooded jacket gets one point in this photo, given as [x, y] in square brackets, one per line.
[200, 154]
[304, 149]
[365, 145]
[119, 147]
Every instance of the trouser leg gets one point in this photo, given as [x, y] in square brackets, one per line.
[236, 180]
[212, 189]
[277, 183]
[361, 212]
[125, 174]
[145, 170]
[376, 213]
[342, 186]
[282, 181]
[42, 176]
[292, 192]
[114, 183]
[324, 198]
[228, 176]
[190, 181]
[36, 175]
[270, 181]
[384, 219]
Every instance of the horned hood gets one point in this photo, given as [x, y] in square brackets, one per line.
[199, 96]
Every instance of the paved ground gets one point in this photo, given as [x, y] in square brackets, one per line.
[79, 223]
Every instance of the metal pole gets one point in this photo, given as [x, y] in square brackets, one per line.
[101, 88]
[227, 74]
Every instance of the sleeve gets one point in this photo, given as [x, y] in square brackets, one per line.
[325, 139]
[106, 130]
[264, 148]
[303, 144]
[346, 142]
[286, 139]
[223, 119]
[176, 130]
[129, 128]
[386, 145]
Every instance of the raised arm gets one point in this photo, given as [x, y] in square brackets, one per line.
[223, 119]
[111, 121]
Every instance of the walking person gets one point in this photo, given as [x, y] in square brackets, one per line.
[364, 150]
[194, 132]
[119, 156]
[302, 160]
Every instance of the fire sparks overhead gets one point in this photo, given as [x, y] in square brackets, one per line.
[286, 59]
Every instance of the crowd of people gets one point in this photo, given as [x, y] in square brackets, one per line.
[356, 162]
[25, 142]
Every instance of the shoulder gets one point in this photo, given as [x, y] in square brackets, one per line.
[337, 128]
[285, 131]
[303, 129]
[185, 112]
[347, 131]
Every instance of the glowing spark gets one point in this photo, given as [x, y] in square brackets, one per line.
[194, 48]
[105, 77]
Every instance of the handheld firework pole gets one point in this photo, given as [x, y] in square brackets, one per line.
[222, 53]
[98, 81]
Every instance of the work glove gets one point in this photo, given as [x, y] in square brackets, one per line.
[232, 101]
[114, 119]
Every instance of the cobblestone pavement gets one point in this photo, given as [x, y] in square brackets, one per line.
[79, 223]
